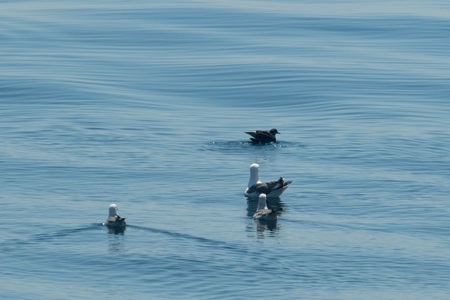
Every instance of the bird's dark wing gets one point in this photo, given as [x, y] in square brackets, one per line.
[276, 184]
[115, 218]
[253, 134]
[262, 136]
[267, 187]
[259, 188]
[265, 136]
[253, 188]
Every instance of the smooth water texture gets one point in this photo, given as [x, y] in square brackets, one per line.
[145, 104]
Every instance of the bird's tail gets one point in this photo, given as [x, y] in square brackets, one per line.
[286, 183]
[282, 183]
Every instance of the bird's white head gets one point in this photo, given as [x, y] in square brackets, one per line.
[262, 204]
[113, 210]
[254, 175]
[254, 168]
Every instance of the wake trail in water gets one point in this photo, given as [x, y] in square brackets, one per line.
[175, 234]
[46, 237]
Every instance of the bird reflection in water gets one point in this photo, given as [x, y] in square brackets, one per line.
[116, 239]
[116, 230]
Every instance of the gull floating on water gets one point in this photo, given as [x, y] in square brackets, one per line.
[114, 220]
[263, 213]
[272, 189]
[263, 136]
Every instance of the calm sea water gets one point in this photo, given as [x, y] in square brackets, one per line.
[144, 104]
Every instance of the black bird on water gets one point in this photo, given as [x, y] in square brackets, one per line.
[263, 136]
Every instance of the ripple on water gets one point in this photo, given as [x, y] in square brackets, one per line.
[225, 146]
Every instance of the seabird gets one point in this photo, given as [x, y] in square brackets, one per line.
[263, 136]
[263, 213]
[114, 220]
[272, 189]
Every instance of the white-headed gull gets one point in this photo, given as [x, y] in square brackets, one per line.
[263, 213]
[272, 189]
[263, 136]
[114, 220]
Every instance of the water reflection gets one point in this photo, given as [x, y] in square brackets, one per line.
[116, 239]
[116, 230]
[263, 225]
[225, 146]
[261, 229]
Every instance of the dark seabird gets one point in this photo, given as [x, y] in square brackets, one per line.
[114, 220]
[263, 136]
[272, 189]
[263, 213]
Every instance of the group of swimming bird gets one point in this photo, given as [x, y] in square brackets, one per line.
[255, 188]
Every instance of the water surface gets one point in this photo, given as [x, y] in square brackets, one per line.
[145, 105]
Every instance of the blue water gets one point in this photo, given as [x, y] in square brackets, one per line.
[145, 103]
